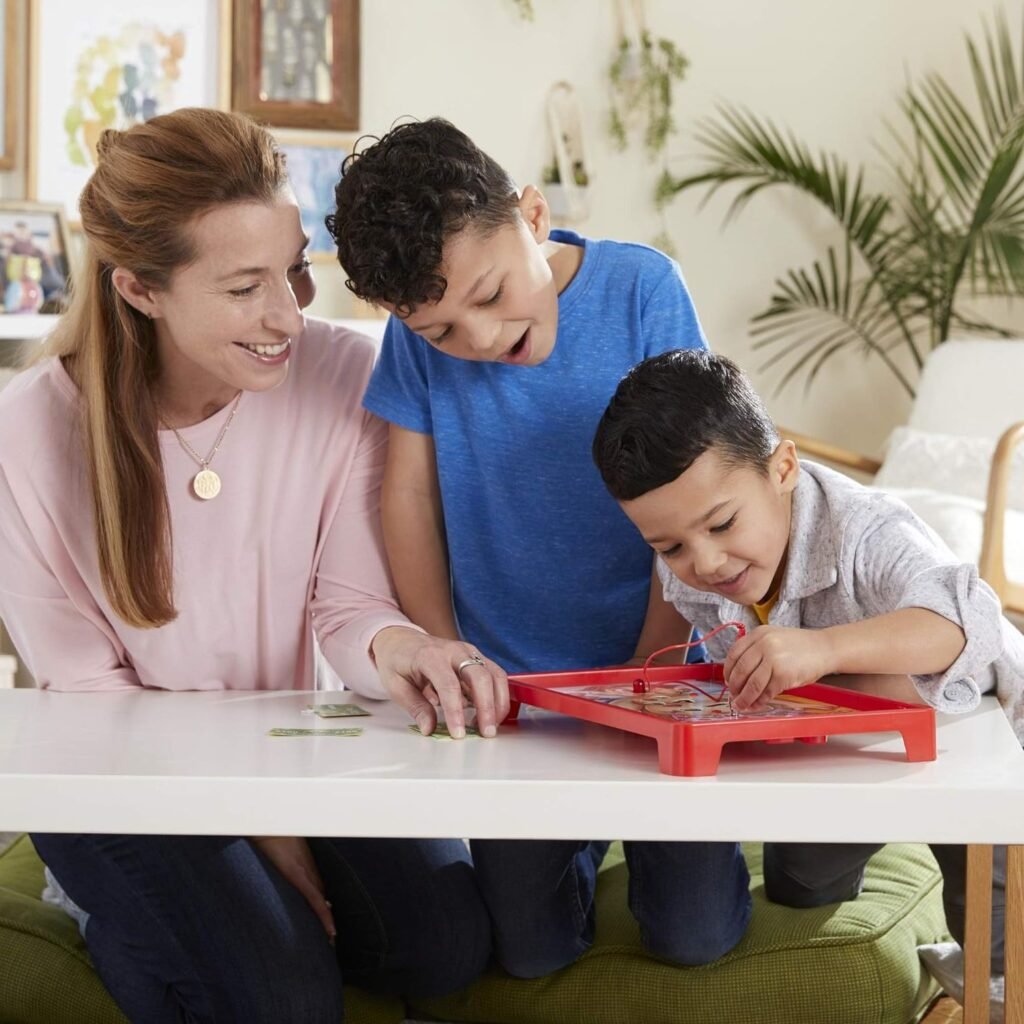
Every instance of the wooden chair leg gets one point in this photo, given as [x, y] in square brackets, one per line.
[978, 938]
[1014, 936]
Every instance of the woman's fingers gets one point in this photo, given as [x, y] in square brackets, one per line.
[294, 860]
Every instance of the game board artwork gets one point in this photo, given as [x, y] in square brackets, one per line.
[686, 702]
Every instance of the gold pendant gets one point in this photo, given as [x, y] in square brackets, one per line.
[206, 484]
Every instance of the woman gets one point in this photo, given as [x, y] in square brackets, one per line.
[188, 492]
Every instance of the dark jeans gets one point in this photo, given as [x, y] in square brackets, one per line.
[204, 929]
[691, 900]
[813, 874]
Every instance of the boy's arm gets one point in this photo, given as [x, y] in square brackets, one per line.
[663, 626]
[920, 612]
[911, 641]
[413, 521]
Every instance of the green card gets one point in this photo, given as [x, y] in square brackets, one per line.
[441, 731]
[315, 732]
[336, 710]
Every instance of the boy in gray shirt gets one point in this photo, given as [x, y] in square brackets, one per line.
[828, 576]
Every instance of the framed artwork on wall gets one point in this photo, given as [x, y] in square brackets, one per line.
[111, 65]
[35, 257]
[314, 167]
[9, 48]
[296, 62]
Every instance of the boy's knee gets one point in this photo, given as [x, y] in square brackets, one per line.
[804, 876]
[455, 955]
[693, 945]
[539, 959]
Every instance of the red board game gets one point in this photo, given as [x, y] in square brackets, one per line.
[686, 708]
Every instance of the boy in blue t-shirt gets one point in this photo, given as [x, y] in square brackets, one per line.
[505, 342]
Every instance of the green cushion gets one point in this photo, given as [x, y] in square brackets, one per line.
[45, 973]
[848, 963]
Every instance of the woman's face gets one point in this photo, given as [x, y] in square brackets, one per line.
[228, 320]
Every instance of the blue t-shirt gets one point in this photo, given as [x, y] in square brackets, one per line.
[547, 571]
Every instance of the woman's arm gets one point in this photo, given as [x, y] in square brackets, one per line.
[64, 640]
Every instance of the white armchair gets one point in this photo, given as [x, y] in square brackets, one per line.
[957, 462]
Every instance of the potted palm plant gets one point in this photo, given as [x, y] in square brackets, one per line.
[912, 260]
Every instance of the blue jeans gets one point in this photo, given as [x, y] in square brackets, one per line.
[691, 900]
[204, 929]
[813, 874]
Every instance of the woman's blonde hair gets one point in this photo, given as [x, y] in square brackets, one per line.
[150, 184]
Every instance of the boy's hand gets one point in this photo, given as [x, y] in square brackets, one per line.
[420, 671]
[771, 659]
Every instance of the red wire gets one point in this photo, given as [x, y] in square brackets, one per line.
[738, 626]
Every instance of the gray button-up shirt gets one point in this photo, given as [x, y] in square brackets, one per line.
[856, 553]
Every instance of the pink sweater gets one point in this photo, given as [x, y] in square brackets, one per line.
[291, 545]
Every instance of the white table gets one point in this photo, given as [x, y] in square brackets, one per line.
[202, 763]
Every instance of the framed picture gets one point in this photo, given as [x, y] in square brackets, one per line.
[35, 258]
[314, 167]
[296, 62]
[111, 65]
[8, 82]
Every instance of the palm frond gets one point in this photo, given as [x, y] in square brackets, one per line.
[817, 312]
[741, 148]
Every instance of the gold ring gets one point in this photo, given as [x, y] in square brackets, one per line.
[475, 660]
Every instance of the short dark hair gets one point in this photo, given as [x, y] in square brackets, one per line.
[672, 408]
[399, 201]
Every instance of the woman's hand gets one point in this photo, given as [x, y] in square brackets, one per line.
[292, 857]
[771, 659]
[420, 671]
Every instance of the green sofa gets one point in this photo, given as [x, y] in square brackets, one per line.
[851, 963]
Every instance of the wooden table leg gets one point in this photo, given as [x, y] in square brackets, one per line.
[978, 938]
[1014, 935]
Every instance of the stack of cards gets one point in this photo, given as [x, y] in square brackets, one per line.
[315, 732]
[335, 711]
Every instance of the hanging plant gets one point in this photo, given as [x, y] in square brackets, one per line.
[642, 77]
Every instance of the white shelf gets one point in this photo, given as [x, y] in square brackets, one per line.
[14, 327]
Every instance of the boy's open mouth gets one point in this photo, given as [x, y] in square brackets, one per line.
[520, 351]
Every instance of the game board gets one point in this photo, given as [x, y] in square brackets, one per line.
[687, 710]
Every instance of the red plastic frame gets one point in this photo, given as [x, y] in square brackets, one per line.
[695, 748]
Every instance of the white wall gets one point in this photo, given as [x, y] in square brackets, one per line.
[830, 69]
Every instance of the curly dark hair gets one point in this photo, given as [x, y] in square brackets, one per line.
[399, 201]
[668, 411]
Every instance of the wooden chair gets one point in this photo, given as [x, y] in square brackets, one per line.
[970, 403]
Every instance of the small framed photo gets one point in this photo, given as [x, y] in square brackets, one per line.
[296, 63]
[314, 167]
[9, 48]
[108, 64]
[35, 258]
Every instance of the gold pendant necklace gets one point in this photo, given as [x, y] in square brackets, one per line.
[206, 483]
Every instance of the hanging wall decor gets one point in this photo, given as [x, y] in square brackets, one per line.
[111, 68]
[296, 62]
[314, 167]
[8, 82]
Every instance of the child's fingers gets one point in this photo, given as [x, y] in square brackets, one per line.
[753, 686]
[738, 649]
[739, 672]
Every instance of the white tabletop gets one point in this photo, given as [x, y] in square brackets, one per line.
[202, 763]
